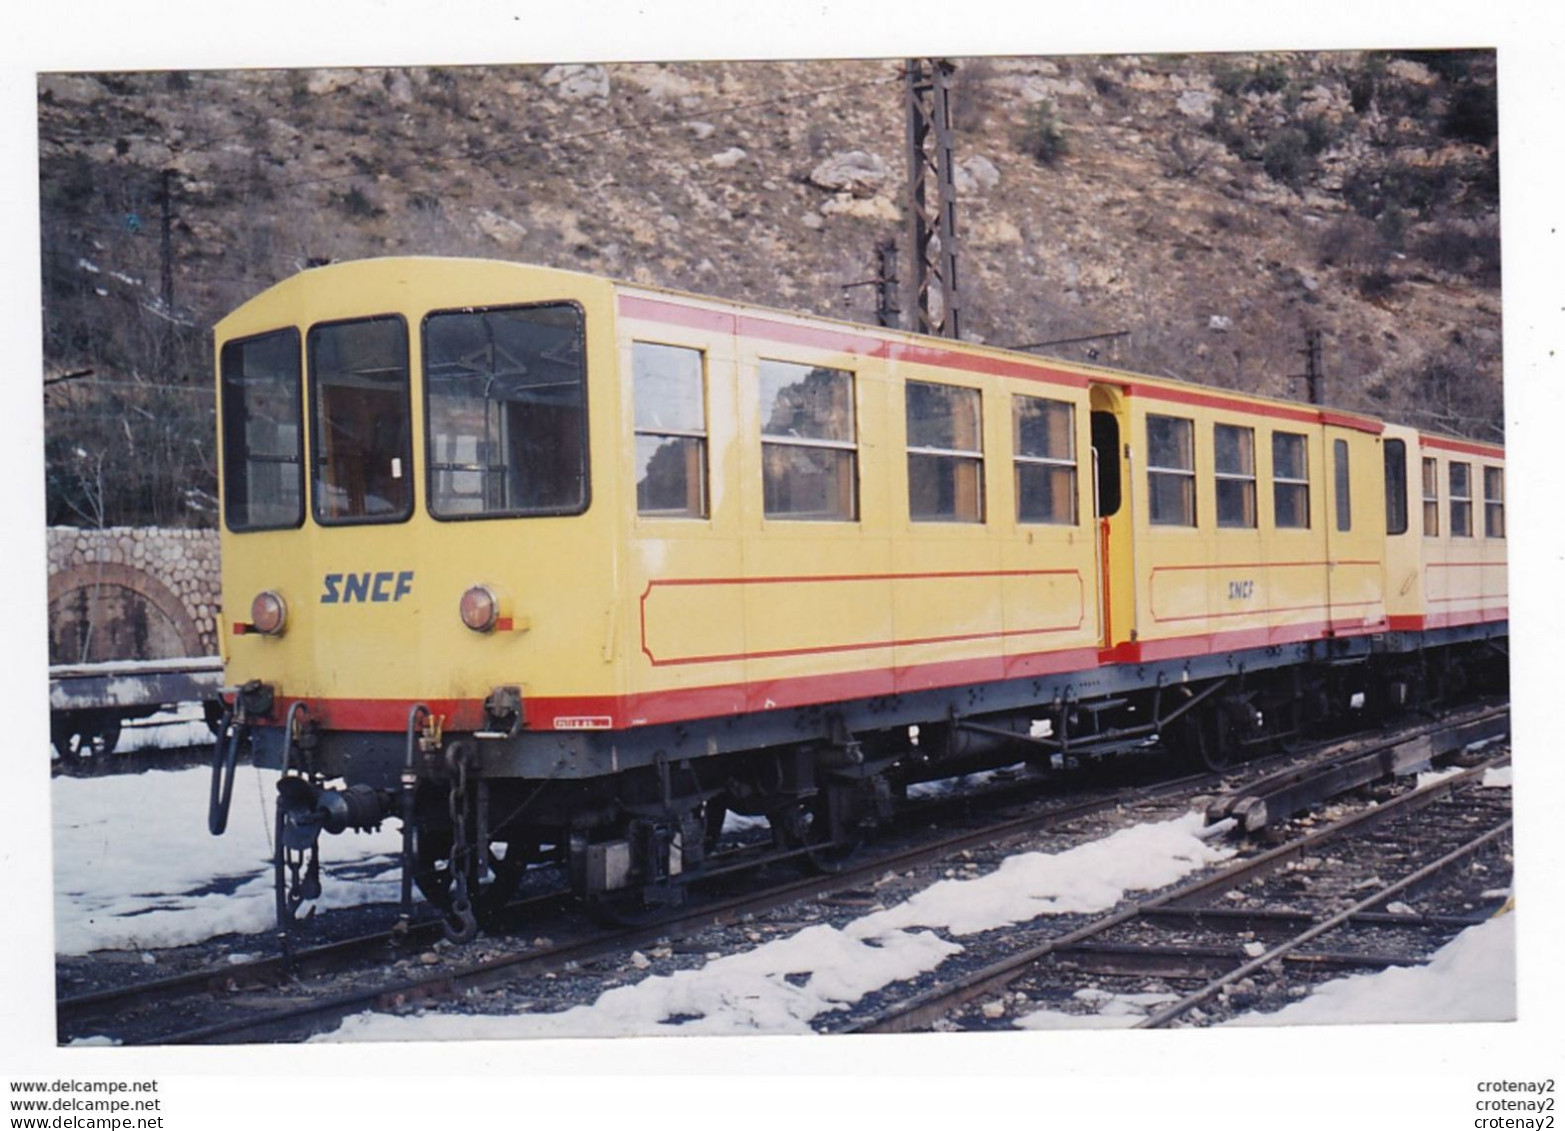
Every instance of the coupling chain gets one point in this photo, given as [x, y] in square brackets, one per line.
[463, 923]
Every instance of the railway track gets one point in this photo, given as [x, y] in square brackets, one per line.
[1215, 932]
[272, 999]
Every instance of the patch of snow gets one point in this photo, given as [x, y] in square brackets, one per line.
[1497, 777]
[135, 866]
[1471, 978]
[1430, 777]
[1090, 877]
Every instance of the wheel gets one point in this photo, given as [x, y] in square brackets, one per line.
[714, 814]
[106, 737]
[81, 741]
[432, 864]
[808, 825]
[508, 870]
[1206, 740]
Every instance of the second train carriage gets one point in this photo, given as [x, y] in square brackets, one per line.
[548, 564]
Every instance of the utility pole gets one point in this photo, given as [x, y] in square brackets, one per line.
[1313, 377]
[931, 201]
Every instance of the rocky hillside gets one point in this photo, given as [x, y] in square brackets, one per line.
[1215, 207]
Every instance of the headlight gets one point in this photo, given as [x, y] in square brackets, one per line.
[268, 613]
[480, 608]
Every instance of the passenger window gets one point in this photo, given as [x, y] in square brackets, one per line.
[1431, 496]
[945, 453]
[1494, 502]
[361, 442]
[1395, 452]
[263, 437]
[505, 390]
[1045, 455]
[1234, 461]
[1291, 480]
[670, 413]
[1461, 500]
[809, 443]
[1171, 470]
[1343, 479]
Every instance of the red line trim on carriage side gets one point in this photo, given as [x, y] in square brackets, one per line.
[855, 646]
[840, 340]
[1464, 447]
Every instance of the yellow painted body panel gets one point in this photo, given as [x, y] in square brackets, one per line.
[742, 597]
[1464, 577]
[555, 575]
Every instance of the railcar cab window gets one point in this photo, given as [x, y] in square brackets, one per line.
[263, 437]
[1431, 495]
[1461, 500]
[1045, 447]
[670, 414]
[1290, 481]
[1171, 470]
[506, 411]
[361, 439]
[1494, 502]
[1234, 459]
[809, 442]
[945, 453]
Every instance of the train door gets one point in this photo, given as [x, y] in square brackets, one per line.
[1355, 531]
[1113, 516]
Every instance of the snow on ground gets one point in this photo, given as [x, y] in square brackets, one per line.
[1471, 978]
[779, 987]
[135, 866]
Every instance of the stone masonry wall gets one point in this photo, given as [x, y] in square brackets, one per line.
[173, 571]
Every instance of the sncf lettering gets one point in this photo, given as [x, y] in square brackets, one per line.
[379, 587]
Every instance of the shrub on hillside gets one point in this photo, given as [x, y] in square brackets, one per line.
[1044, 135]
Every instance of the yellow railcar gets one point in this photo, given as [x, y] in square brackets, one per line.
[545, 564]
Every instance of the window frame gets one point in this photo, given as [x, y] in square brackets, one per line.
[1460, 504]
[1281, 483]
[955, 456]
[1250, 520]
[1429, 493]
[702, 437]
[316, 453]
[848, 447]
[1185, 476]
[1493, 502]
[1071, 465]
[586, 413]
[299, 407]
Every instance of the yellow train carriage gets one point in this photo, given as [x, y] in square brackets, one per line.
[630, 558]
